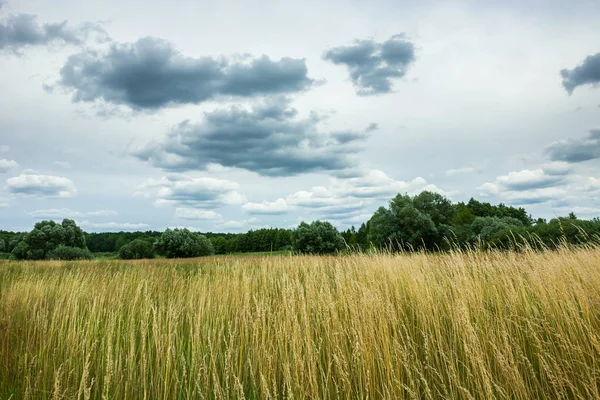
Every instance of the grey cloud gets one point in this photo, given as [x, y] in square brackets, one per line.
[68, 213]
[270, 139]
[557, 168]
[195, 214]
[521, 194]
[586, 73]
[23, 30]
[125, 226]
[529, 179]
[151, 74]
[7, 165]
[374, 66]
[536, 196]
[41, 185]
[342, 211]
[576, 150]
[277, 207]
[183, 191]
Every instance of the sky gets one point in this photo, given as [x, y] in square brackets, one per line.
[235, 115]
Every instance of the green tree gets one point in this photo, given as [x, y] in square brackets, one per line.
[2, 246]
[318, 237]
[46, 236]
[439, 208]
[62, 252]
[402, 226]
[487, 228]
[220, 244]
[181, 243]
[136, 250]
[362, 236]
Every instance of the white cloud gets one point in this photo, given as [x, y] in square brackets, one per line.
[4, 148]
[585, 212]
[101, 213]
[238, 224]
[535, 196]
[557, 168]
[62, 164]
[550, 183]
[114, 225]
[7, 165]
[41, 185]
[528, 179]
[279, 206]
[475, 167]
[347, 199]
[192, 213]
[460, 171]
[184, 191]
[523, 188]
[68, 213]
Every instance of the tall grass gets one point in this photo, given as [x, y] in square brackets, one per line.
[461, 325]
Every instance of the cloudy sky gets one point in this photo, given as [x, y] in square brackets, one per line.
[232, 115]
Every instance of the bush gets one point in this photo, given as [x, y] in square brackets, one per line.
[136, 250]
[182, 243]
[69, 253]
[46, 237]
[317, 238]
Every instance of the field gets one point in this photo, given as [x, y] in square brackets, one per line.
[470, 325]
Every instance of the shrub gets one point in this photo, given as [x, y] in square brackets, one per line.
[46, 237]
[317, 238]
[136, 250]
[69, 253]
[182, 243]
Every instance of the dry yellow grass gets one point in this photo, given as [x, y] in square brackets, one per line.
[463, 325]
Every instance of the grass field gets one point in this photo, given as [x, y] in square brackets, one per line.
[463, 325]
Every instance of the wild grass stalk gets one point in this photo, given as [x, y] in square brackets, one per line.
[466, 324]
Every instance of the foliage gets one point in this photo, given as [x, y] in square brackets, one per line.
[68, 253]
[108, 242]
[427, 220]
[260, 240]
[318, 237]
[136, 250]
[487, 228]
[182, 243]
[405, 226]
[45, 237]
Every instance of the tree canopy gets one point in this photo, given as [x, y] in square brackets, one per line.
[136, 250]
[182, 243]
[318, 237]
[44, 241]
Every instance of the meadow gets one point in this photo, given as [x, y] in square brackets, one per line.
[461, 325]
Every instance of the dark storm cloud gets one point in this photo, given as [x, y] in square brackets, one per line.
[586, 73]
[270, 139]
[576, 150]
[374, 66]
[22, 30]
[151, 73]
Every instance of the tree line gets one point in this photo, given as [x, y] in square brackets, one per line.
[431, 221]
[427, 221]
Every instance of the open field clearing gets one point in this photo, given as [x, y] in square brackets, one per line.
[462, 325]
